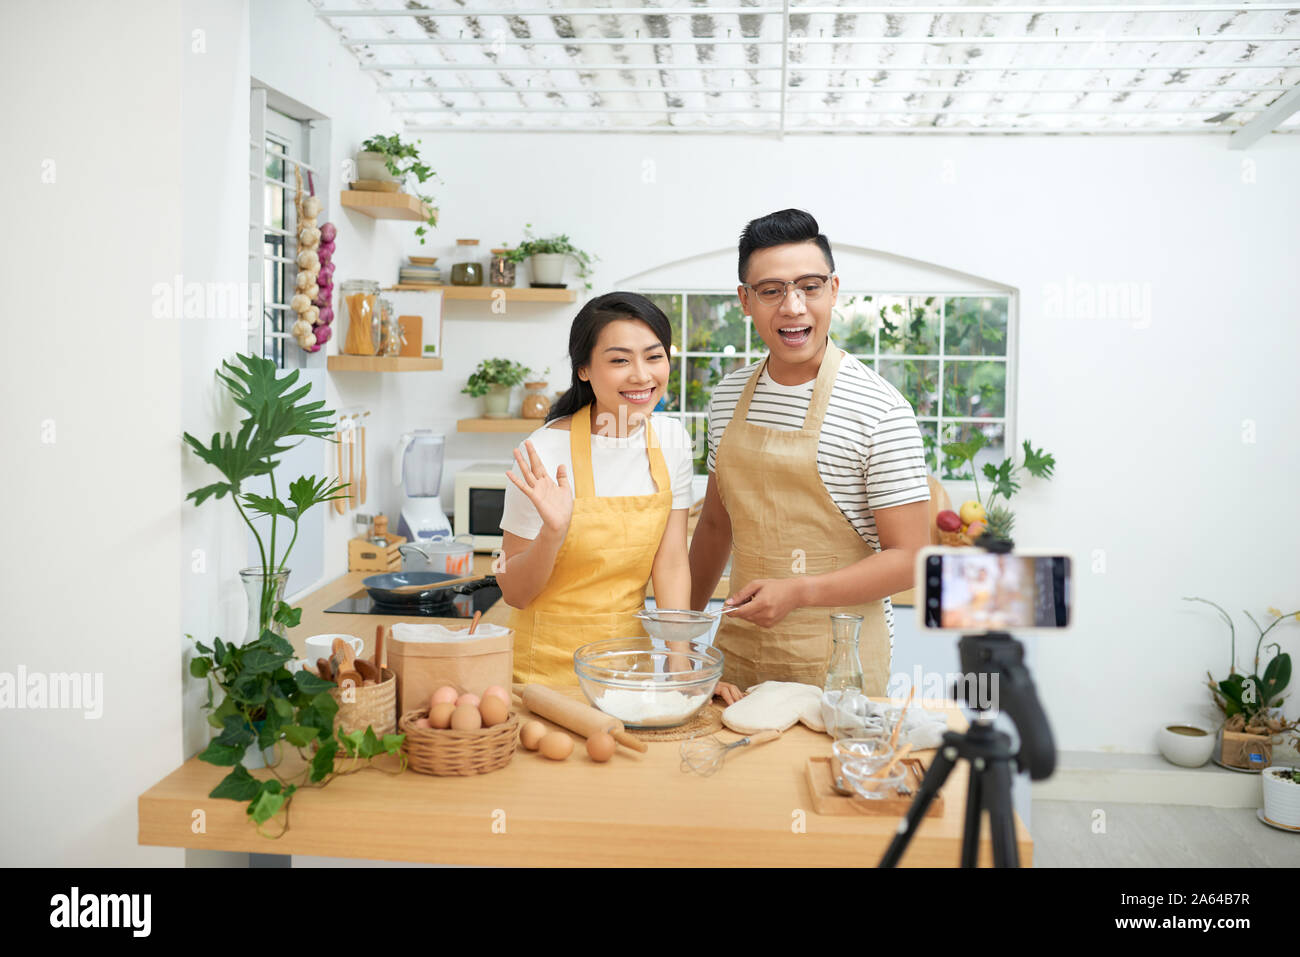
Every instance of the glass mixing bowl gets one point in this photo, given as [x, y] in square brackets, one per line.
[644, 682]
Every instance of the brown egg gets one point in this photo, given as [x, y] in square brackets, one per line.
[600, 746]
[532, 734]
[556, 745]
[440, 716]
[493, 710]
[423, 723]
[467, 698]
[466, 718]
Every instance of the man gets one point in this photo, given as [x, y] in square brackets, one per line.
[817, 478]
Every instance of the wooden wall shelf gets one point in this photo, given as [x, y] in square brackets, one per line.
[499, 425]
[345, 363]
[485, 293]
[385, 205]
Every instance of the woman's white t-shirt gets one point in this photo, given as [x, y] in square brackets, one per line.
[620, 466]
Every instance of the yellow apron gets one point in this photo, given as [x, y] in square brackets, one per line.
[784, 523]
[599, 580]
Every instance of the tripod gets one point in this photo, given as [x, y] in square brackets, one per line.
[1001, 657]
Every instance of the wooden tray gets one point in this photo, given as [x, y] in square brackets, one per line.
[826, 800]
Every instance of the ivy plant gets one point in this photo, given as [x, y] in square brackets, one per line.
[402, 159]
[492, 372]
[561, 245]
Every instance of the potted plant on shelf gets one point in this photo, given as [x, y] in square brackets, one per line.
[387, 159]
[1251, 703]
[493, 380]
[547, 258]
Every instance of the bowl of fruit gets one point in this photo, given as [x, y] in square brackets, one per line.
[972, 522]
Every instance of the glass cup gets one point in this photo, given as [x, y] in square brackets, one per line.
[867, 787]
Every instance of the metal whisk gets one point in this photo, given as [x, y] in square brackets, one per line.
[705, 755]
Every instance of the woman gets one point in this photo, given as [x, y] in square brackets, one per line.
[579, 547]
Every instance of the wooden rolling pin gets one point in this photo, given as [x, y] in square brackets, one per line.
[576, 716]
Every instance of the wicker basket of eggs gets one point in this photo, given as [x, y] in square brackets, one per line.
[460, 733]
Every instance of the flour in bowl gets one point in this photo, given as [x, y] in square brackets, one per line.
[648, 706]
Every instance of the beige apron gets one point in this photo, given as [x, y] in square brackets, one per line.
[784, 523]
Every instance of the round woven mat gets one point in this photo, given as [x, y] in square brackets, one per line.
[706, 721]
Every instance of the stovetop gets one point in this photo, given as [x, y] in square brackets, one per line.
[469, 598]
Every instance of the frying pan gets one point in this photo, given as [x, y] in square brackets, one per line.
[381, 587]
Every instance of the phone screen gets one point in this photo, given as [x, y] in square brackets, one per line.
[971, 589]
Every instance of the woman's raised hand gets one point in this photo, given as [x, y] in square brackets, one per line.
[552, 499]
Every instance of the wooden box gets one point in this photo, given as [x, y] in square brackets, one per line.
[365, 556]
[1253, 751]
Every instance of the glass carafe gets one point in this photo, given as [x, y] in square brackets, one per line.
[845, 669]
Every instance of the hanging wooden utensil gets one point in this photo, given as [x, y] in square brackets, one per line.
[352, 466]
[362, 489]
[340, 504]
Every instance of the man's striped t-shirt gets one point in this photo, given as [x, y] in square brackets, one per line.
[869, 455]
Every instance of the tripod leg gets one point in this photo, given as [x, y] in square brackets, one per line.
[935, 777]
[1002, 826]
[970, 841]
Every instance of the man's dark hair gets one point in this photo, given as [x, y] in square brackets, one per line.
[778, 229]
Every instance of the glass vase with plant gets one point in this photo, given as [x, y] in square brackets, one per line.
[403, 159]
[1004, 478]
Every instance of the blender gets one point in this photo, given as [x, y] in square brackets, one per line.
[417, 464]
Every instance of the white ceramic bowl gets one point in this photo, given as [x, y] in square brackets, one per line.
[1186, 750]
[1281, 798]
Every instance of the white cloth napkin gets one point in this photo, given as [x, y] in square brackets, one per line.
[427, 631]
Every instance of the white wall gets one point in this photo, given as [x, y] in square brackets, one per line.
[1145, 416]
[91, 187]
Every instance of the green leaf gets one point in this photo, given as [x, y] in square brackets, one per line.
[351, 741]
[322, 765]
[238, 785]
[270, 641]
[282, 707]
[259, 662]
[267, 804]
[1277, 675]
[370, 745]
[1038, 463]
[285, 614]
[308, 490]
[222, 755]
[235, 732]
[215, 490]
[312, 684]
[199, 667]
[264, 504]
[393, 743]
[1004, 483]
[299, 735]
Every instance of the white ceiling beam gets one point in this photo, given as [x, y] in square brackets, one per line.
[840, 130]
[1267, 121]
[785, 58]
[850, 10]
[802, 41]
[821, 110]
[810, 68]
[869, 90]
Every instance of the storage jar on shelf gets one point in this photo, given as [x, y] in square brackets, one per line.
[467, 270]
[360, 301]
[501, 270]
[536, 402]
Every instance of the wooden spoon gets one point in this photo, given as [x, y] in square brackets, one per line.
[362, 490]
[340, 504]
[893, 762]
[893, 738]
[378, 659]
[412, 589]
[323, 669]
[474, 624]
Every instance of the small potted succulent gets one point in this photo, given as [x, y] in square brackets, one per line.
[1282, 796]
[547, 258]
[493, 380]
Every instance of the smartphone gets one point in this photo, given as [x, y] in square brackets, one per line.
[973, 590]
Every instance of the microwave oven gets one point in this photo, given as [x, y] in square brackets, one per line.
[480, 503]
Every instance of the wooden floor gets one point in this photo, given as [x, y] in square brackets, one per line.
[1156, 835]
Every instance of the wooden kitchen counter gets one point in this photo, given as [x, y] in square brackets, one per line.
[316, 621]
[635, 811]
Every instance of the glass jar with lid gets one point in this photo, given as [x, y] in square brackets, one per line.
[467, 270]
[501, 270]
[360, 302]
[390, 331]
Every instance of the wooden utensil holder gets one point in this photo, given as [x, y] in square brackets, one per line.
[365, 556]
[369, 707]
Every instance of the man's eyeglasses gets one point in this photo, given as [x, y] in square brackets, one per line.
[772, 292]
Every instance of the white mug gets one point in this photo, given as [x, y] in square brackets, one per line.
[318, 646]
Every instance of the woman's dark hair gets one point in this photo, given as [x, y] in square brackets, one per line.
[593, 317]
[778, 229]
